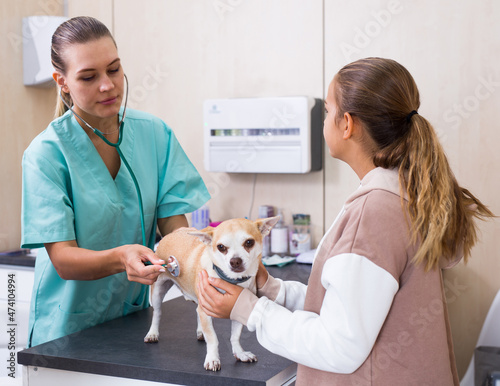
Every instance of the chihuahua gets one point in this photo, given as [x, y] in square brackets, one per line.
[231, 251]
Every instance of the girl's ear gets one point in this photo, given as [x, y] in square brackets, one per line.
[348, 130]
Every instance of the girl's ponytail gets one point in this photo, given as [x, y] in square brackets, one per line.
[431, 188]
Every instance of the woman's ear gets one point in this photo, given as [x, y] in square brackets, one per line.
[60, 81]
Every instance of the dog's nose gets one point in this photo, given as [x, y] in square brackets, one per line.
[235, 262]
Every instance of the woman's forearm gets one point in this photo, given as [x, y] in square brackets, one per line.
[169, 224]
[74, 263]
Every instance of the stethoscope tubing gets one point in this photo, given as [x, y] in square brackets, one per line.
[116, 145]
[139, 195]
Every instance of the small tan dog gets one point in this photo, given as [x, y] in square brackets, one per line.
[231, 251]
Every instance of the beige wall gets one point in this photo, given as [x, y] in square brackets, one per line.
[24, 111]
[178, 53]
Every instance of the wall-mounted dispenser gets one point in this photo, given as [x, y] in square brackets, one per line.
[37, 38]
[263, 135]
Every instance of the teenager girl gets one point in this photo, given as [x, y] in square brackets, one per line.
[374, 311]
[97, 183]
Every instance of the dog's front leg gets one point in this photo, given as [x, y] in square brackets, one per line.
[212, 360]
[238, 352]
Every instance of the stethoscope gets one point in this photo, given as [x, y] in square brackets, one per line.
[116, 145]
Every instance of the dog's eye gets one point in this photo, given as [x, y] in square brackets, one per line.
[222, 248]
[249, 244]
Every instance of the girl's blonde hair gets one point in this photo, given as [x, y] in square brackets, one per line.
[383, 96]
[77, 30]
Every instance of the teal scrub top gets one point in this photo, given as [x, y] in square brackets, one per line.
[69, 194]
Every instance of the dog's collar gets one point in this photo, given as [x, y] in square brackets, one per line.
[223, 276]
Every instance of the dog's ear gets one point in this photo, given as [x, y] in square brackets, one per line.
[266, 224]
[204, 236]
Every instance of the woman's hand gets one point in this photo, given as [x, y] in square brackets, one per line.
[134, 257]
[211, 301]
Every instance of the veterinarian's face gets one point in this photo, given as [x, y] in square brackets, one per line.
[94, 78]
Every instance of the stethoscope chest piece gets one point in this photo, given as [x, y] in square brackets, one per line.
[173, 266]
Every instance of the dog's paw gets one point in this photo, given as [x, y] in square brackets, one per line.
[152, 337]
[245, 356]
[212, 363]
[200, 336]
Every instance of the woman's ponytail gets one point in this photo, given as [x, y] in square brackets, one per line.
[61, 107]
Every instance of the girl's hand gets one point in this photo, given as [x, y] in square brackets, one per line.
[134, 257]
[211, 301]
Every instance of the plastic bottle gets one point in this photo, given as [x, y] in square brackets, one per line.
[279, 237]
[300, 234]
[201, 217]
[266, 211]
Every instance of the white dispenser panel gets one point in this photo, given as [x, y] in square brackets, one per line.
[263, 135]
[37, 39]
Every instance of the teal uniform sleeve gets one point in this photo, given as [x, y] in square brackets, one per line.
[47, 213]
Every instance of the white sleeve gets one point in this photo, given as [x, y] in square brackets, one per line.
[358, 297]
[292, 295]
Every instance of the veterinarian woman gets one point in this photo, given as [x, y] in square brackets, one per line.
[95, 205]
[374, 311]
